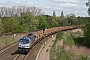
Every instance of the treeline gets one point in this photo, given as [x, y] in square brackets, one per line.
[29, 21]
[19, 10]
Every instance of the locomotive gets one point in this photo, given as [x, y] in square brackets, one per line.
[27, 42]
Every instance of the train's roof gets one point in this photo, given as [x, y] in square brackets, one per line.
[28, 36]
[25, 37]
[31, 34]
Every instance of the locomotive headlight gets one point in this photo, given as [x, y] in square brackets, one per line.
[20, 45]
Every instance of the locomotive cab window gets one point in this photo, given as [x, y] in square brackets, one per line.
[24, 41]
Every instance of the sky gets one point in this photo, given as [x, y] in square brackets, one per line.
[77, 7]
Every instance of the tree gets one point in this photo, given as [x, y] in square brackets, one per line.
[52, 21]
[27, 21]
[42, 23]
[10, 25]
[80, 20]
[1, 26]
[54, 14]
[19, 10]
[87, 28]
[87, 35]
[88, 5]
[62, 21]
[62, 15]
[72, 20]
[36, 11]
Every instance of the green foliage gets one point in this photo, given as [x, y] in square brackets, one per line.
[88, 5]
[62, 55]
[58, 37]
[52, 21]
[62, 21]
[27, 21]
[42, 23]
[87, 35]
[87, 30]
[85, 41]
[69, 40]
[10, 25]
[72, 20]
[80, 20]
[84, 58]
[1, 27]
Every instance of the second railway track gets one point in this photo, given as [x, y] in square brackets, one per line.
[6, 49]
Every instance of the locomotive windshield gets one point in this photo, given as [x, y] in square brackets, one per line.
[24, 41]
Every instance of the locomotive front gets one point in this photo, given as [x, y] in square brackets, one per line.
[24, 44]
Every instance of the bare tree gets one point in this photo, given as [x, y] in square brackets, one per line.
[18, 10]
[36, 11]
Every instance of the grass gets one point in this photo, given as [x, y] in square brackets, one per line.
[69, 39]
[61, 54]
[8, 39]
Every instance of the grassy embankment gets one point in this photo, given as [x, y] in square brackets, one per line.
[59, 52]
[8, 39]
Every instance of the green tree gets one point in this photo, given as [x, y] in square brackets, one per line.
[54, 14]
[62, 21]
[52, 21]
[72, 20]
[88, 5]
[27, 21]
[1, 26]
[87, 28]
[80, 20]
[10, 25]
[87, 35]
[62, 15]
[42, 23]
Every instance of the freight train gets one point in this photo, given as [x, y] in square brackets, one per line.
[28, 41]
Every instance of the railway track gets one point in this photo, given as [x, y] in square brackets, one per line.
[19, 57]
[6, 49]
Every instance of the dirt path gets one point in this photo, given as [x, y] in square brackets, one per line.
[44, 55]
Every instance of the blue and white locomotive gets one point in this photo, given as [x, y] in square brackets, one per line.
[27, 42]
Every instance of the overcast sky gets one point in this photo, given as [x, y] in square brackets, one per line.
[77, 7]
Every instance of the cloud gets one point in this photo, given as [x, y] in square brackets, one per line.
[66, 1]
[68, 5]
[17, 2]
[2, 2]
